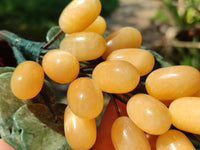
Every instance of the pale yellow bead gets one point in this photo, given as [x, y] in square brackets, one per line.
[116, 76]
[172, 82]
[173, 140]
[126, 37]
[127, 136]
[80, 133]
[85, 98]
[149, 114]
[78, 15]
[98, 26]
[185, 114]
[60, 66]
[84, 46]
[142, 59]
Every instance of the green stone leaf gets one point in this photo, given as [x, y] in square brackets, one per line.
[6, 69]
[38, 128]
[23, 49]
[8, 102]
[50, 35]
[160, 62]
[8, 106]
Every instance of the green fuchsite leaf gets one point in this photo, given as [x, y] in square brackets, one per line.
[38, 131]
[50, 35]
[6, 69]
[8, 106]
[8, 102]
[22, 48]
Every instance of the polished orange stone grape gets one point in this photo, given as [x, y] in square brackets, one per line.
[80, 133]
[84, 45]
[79, 14]
[127, 136]
[126, 37]
[60, 66]
[27, 80]
[142, 59]
[174, 140]
[185, 114]
[149, 114]
[172, 82]
[197, 94]
[116, 76]
[85, 98]
[98, 26]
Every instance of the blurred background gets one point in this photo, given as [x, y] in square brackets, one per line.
[170, 27]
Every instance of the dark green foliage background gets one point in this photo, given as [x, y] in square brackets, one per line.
[31, 19]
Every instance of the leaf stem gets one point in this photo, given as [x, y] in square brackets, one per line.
[115, 104]
[53, 39]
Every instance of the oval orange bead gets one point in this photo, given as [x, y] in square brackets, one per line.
[185, 114]
[27, 80]
[172, 82]
[116, 76]
[98, 26]
[142, 59]
[85, 98]
[60, 66]
[127, 136]
[149, 114]
[126, 37]
[78, 15]
[173, 140]
[84, 45]
[80, 133]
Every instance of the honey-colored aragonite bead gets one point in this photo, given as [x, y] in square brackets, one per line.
[149, 114]
[174, 140]
[78, 15]
[172, 82]
[126, 135]
[185, 114]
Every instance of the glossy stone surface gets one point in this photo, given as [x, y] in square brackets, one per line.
[80, 133]
[185, 114]
[98, 26]
[84, 45]
[172, 82]
[126, 37]
[78, 15]
[85, 98]
[60, 66]
[27, 80]
[116, 76]
[149, 114]
[142, 59]
[174, 140]
[127, 136]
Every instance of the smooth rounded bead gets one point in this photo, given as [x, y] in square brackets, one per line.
[126, 37]
[78, 15]
[197, 94]
[149, 114]
[127, 136]
[80, 133]
[27, 80]
[185, 114]
[173, 140]
[85, 98]
[98, 26]
[84, 45]
[60, 66]
[172, 82]
[116, 76]
[142, 59]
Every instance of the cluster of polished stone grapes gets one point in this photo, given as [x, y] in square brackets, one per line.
[124, 63]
